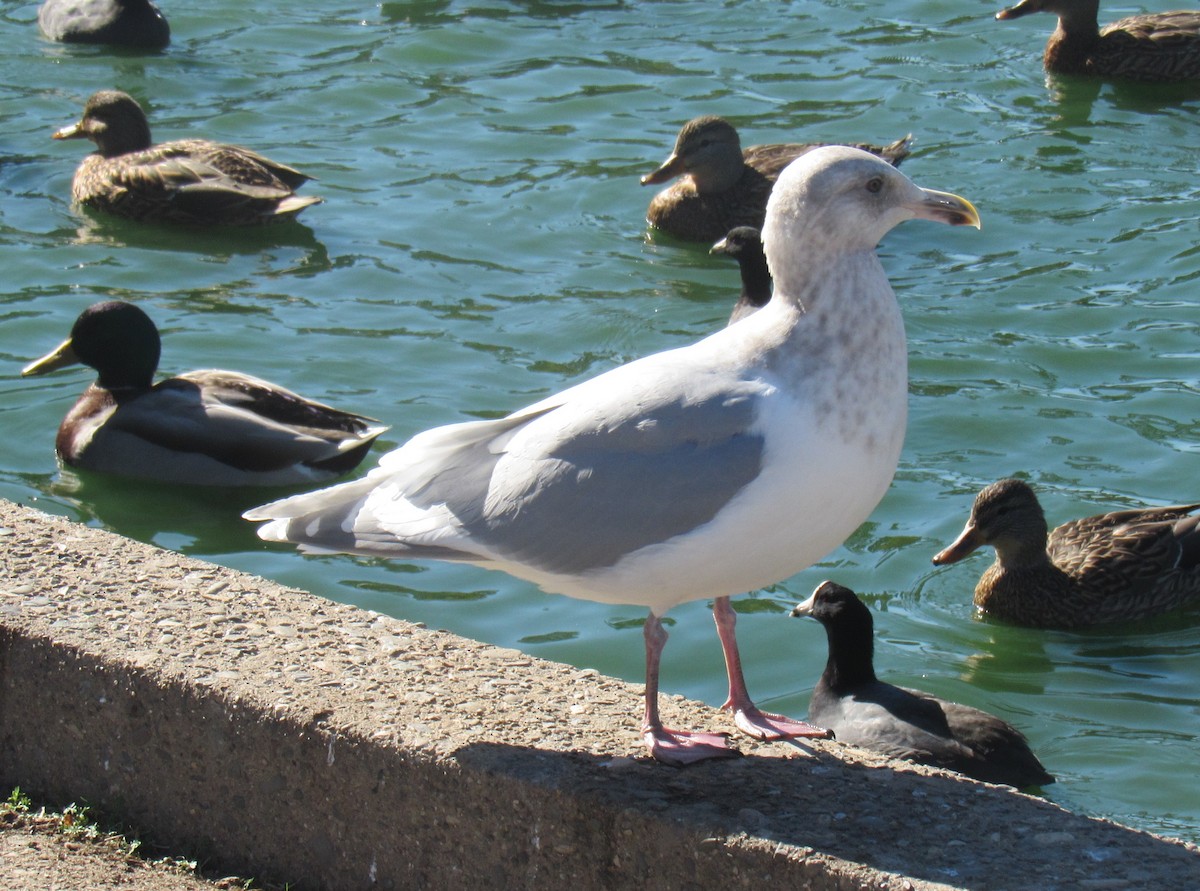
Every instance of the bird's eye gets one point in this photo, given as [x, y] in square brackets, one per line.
[874, 184]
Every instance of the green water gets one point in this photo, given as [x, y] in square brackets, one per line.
[482, 244]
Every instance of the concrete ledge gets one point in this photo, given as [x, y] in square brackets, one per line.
[280, 735]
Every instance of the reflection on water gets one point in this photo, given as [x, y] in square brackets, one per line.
[104, 230]
[194, 520]
[1009, 659]
[395, 590]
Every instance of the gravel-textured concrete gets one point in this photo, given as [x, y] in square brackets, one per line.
[272, 733]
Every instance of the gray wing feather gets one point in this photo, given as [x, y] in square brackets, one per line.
[604, 494]
[589, 498]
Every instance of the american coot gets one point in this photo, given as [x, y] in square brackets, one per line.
[695, 473]
[186, 181]
[723, 187]
[135, 23]
[1123, 565]
[744, 244]
[1158, 46]
[217, 428]
[902, 723]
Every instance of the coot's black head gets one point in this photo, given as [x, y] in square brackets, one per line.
[832, 604]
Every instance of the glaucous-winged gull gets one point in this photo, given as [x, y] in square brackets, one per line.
[695, 473]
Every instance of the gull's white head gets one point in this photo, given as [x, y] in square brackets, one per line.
[836, 200]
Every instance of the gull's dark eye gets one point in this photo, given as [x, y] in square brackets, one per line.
[875, 184]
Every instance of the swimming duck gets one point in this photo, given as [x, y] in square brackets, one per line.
[135, 23]
[723, 187]
[1112, 567]
[1161, 46]
[186, 181]
[744, 244]
[214, 428]
[912, 725]
[696, 473]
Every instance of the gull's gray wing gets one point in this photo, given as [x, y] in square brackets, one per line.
[606, 491]
[571, 484]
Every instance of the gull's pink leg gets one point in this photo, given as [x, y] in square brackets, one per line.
[749, 719]
[674, 747]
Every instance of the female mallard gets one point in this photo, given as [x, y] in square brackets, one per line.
[1108, 568]
[900, 722]
[744, 244]
[215, 428]
[136, 23]
[186, 181]
[722, 186]
[1163, 46]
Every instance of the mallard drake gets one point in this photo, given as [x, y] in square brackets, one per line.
[723, 187]
[1162, 46]
[744, 244]
[696, 473]
[912, 725]
[186, 181]
[1112, 567]
[136, 23]
[214, 428]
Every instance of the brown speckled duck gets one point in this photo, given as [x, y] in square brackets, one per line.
[214, 428]
[186, 181]
[1162, 46]
[1112, 567]
[722, 186]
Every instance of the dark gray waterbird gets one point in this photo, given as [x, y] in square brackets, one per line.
[744, 244]
[900, 722]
